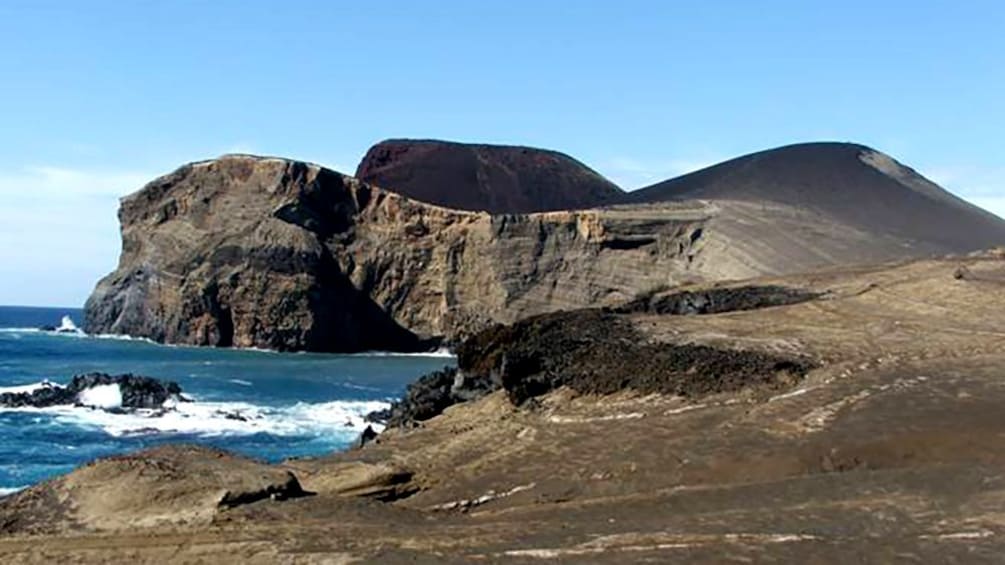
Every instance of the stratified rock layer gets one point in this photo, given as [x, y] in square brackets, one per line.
[259, 252]
[265, 252]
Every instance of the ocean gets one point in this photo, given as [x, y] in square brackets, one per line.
[289, 404]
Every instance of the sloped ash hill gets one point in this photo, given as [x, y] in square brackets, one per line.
[275, 253]
[499, 179]
[851, 183]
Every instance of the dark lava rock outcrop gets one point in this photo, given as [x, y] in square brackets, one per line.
[597, 351]
[716, 300]
[424, 398]
[499, 179]
[136, 392]
[431, 394]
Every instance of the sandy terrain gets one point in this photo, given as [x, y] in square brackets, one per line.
[889, 451]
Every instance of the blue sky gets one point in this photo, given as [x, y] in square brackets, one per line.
[98, 97]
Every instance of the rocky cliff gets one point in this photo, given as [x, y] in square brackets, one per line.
[265, 252]
[499, 179]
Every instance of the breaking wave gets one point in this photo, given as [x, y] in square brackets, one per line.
[78, 333]
[97, 409]
[441, 352]
[67, 326]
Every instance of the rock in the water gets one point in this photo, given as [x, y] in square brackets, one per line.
[135, 392]
[46, 395]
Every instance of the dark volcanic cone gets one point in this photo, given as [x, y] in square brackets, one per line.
[852, 183]
[495, 178]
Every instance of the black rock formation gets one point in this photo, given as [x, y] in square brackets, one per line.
[430, 395]
[716, 300]
[368, 435]
[596, 351]
[137, 392]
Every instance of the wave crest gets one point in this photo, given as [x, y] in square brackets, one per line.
[208, 419]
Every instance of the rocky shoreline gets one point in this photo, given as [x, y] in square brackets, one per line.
[614, 399]
[858, 414]
[130, 392]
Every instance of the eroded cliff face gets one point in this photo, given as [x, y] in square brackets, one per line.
[264, 252]
[231, 252]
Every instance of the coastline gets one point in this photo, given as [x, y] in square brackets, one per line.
[775, 467]
[270, 406]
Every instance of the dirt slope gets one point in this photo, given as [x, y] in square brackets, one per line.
[888, 450]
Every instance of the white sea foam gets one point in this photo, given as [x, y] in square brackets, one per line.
[105, 397]
[66, 325]
[4, 491]
[66, 328]
[241, 382]
[361, 387]
[75, 332]
[442, 352]
[122, 337]
[343, 418]
[27, 389]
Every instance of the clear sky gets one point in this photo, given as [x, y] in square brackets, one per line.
[99, 97]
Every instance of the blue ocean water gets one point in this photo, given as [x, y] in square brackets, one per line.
[288, 404]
